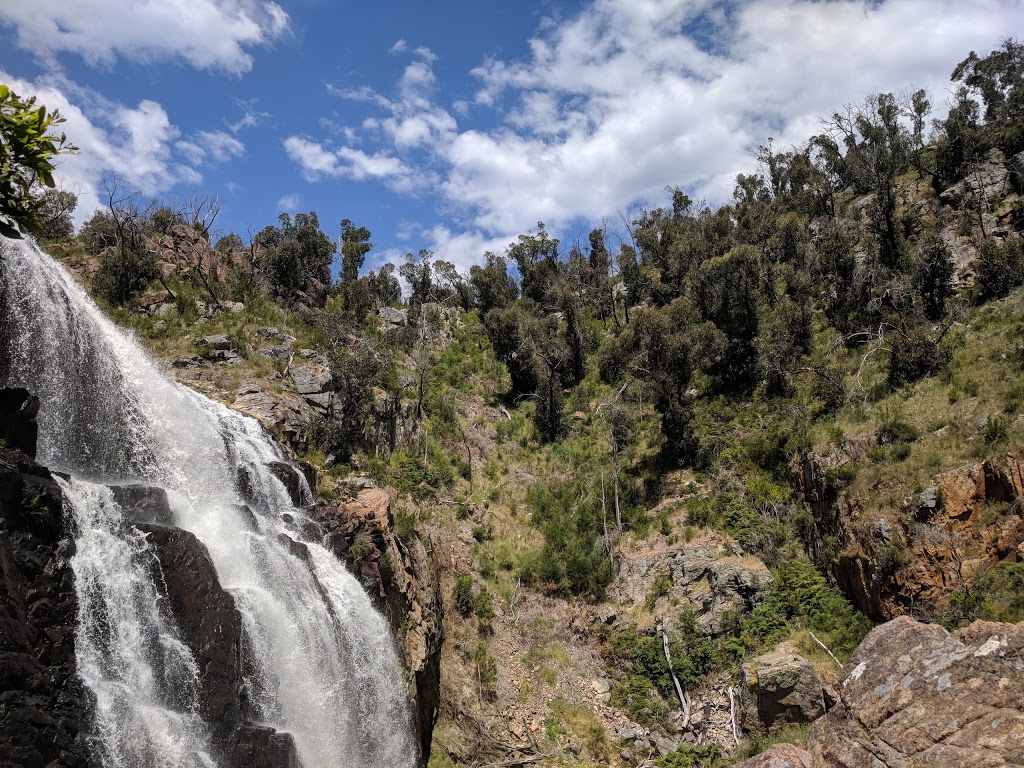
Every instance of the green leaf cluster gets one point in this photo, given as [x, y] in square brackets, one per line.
[27, 151]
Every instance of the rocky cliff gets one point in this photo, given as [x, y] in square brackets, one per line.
[936, 544]
[399, 573]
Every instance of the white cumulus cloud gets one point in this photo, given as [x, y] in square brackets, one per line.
[317, 161]
[209, 34]
[626, 97]
[210, 147]
[290, 203]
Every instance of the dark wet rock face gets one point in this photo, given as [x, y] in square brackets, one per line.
[143, 504]
[291, 475]
[18, 428]
[45, 712]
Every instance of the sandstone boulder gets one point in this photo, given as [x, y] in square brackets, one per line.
[915, 695]
[781, 686]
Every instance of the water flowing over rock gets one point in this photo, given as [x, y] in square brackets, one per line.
[211, 631]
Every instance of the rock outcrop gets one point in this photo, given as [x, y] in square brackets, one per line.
[781, 756]
[967, 521]
[915, 695]
[45, 711]
[697, 574]
[399, 573]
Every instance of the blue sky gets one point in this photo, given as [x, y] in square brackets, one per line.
[456, 125]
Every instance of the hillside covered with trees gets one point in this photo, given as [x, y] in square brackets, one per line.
[644, 456]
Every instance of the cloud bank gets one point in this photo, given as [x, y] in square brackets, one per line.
[629, 96]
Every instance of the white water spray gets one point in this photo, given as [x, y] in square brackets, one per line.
[321, 664]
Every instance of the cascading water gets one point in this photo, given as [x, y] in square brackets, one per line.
[320, 663]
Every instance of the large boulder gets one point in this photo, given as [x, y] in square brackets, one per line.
[780, 756]
[781, 686]
[914, 695]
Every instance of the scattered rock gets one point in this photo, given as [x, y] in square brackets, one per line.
[217, 341]
[629, 730]
[152, 300]
[780, 756]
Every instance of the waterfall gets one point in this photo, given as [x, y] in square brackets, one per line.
[319, 663]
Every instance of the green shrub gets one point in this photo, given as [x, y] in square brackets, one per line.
[486, 668]
[462, 595]
[900, 452]
[893, 428]
[891, 556]
[692, 756]
[483, 606]
[914, 355]
[633, 697]
[123, 274]
[1000, 269]
[573, 557]
[801, 594]
[996, 430]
